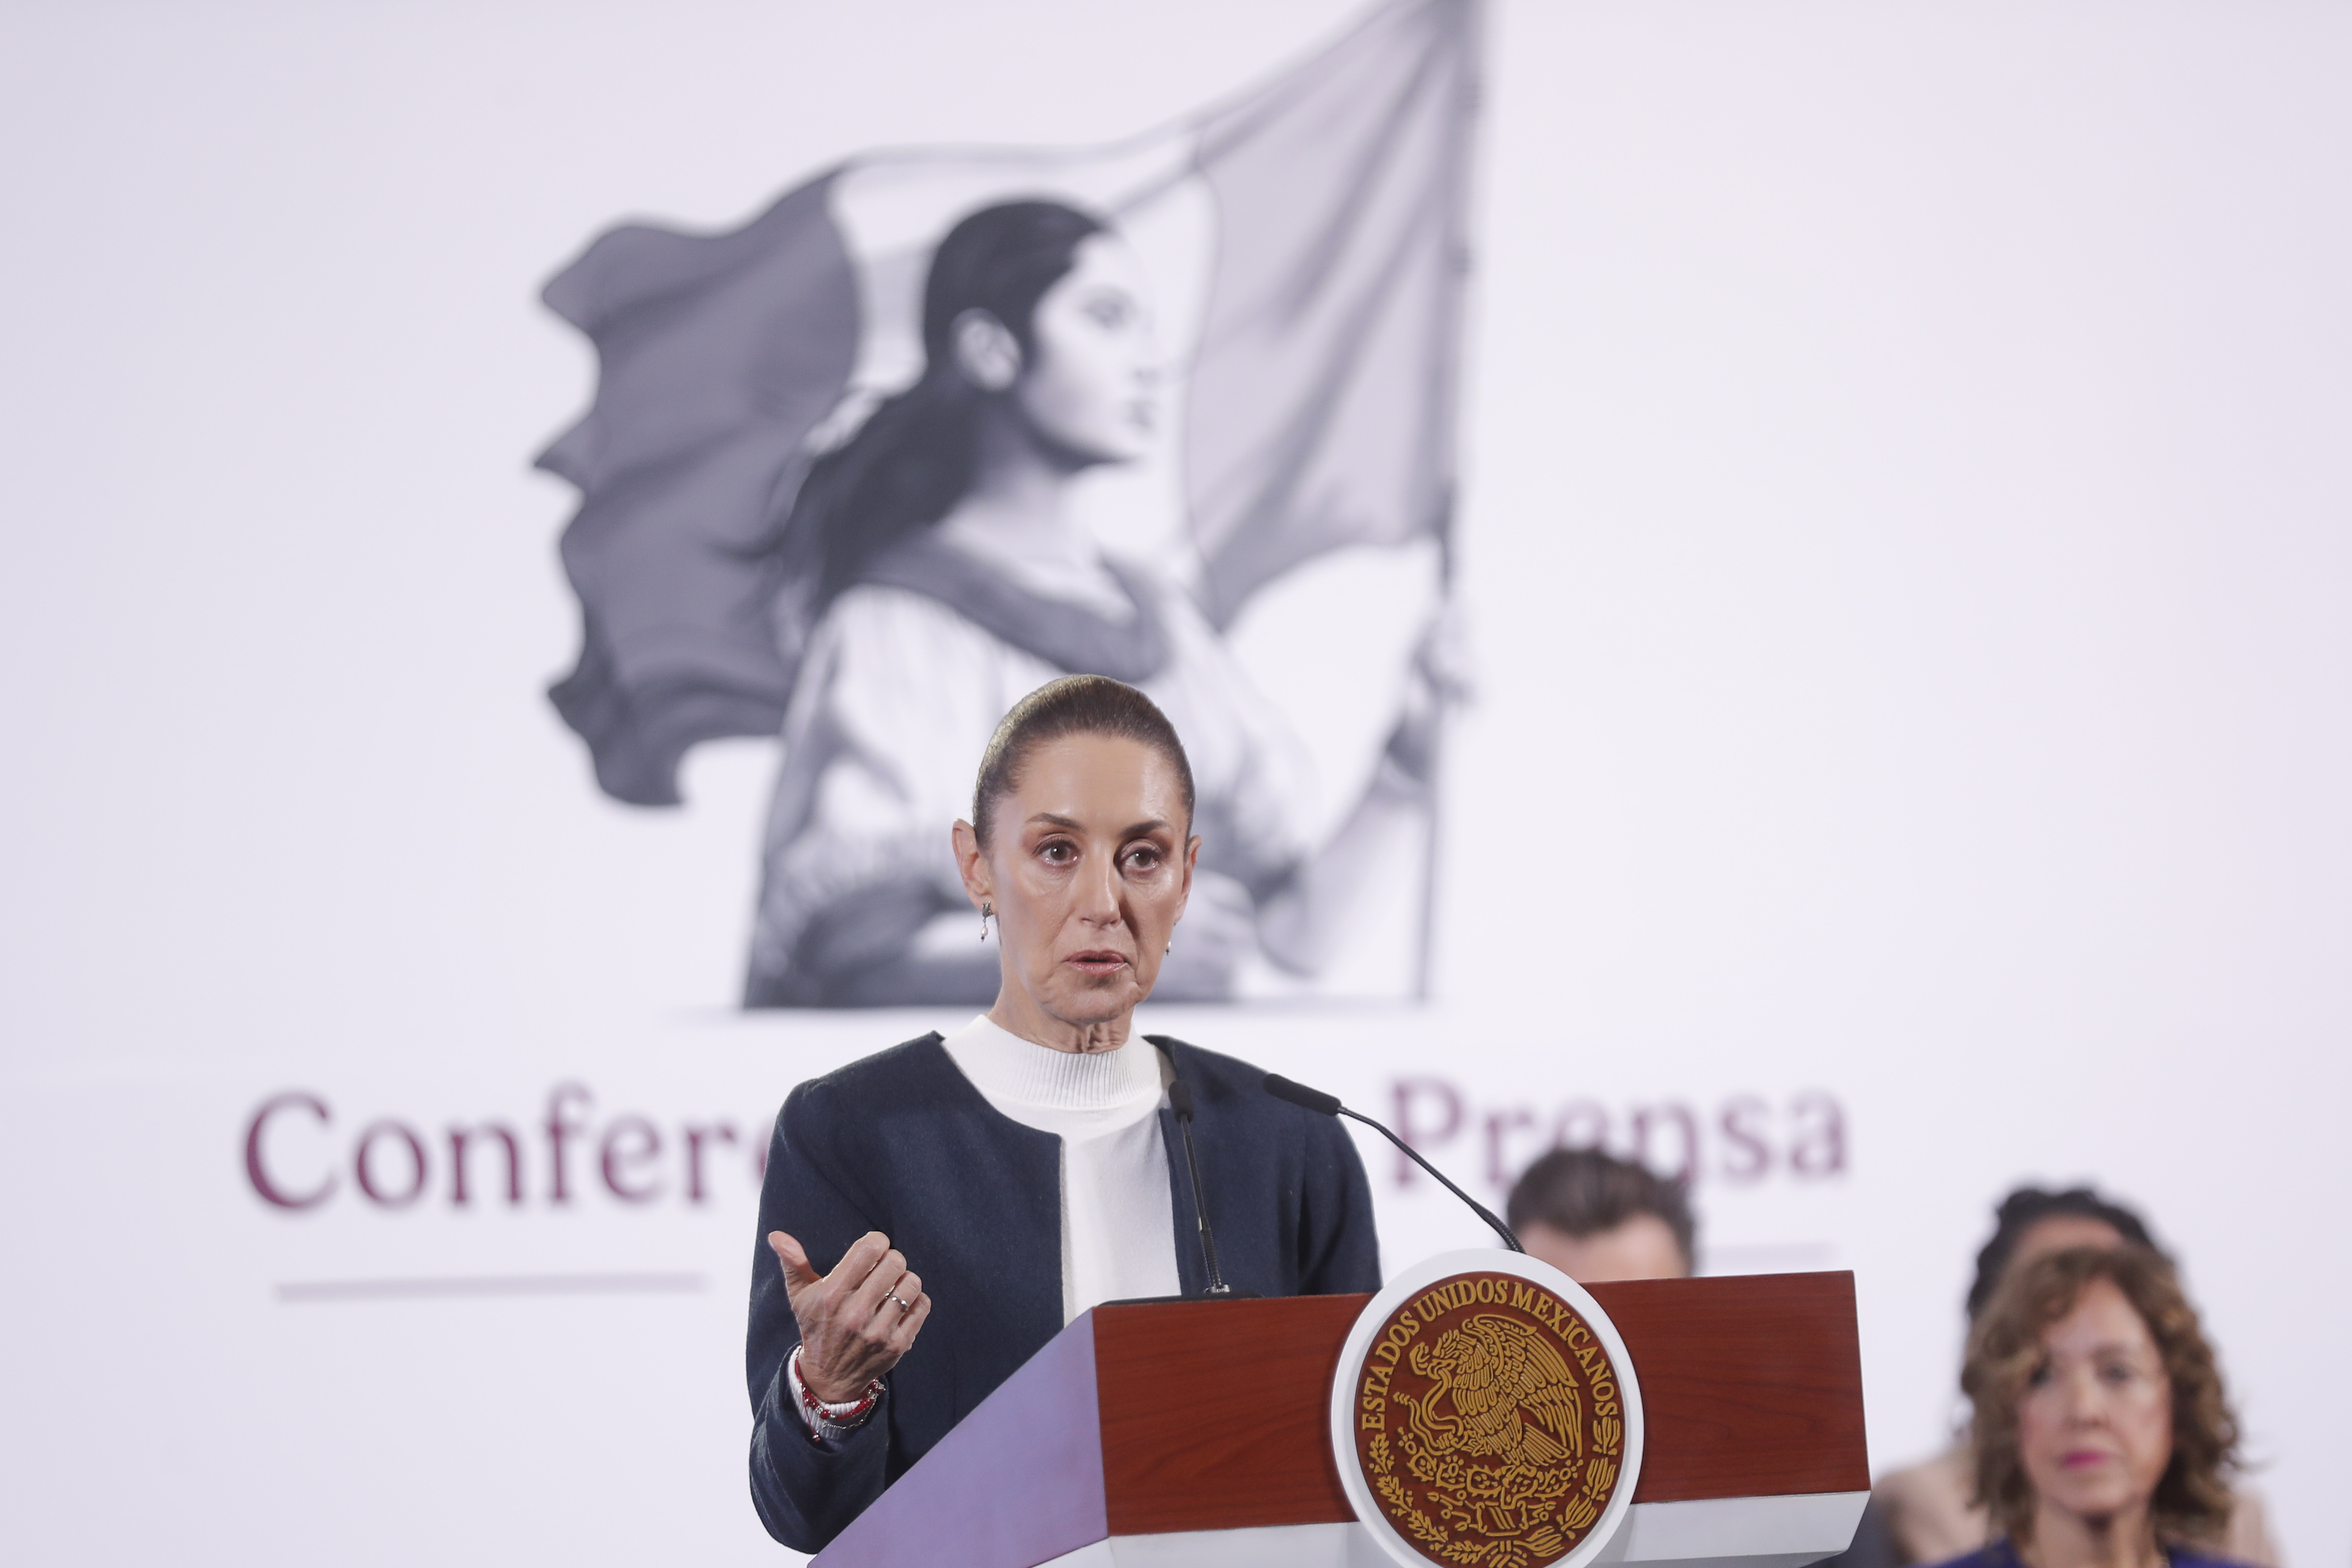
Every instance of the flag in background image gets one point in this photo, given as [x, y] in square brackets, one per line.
[1305, 248]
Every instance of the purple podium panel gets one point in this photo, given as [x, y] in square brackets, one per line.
[1018, 1483]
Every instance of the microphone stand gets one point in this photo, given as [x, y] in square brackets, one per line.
[1180, 1100]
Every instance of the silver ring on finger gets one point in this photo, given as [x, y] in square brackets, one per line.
[904, 1306]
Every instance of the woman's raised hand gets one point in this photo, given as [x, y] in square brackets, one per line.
[1437, 682]
[856, 1322]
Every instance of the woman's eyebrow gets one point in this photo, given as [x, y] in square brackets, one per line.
[2104, 1347]
[1071, 824]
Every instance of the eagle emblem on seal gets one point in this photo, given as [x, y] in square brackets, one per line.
[1512, 1395]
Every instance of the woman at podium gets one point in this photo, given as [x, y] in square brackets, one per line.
[934, 1214]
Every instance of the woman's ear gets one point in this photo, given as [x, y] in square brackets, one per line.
[986, 351]
[978, 885]
[1191, 862]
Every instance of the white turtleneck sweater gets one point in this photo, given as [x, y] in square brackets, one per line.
[1119, 1225]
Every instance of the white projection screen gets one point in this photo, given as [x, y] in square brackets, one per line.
[1893, 514]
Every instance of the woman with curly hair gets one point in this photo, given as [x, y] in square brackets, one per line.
[2103, 1435]
[1924, 1512]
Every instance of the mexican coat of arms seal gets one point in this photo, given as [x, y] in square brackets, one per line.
[1489, 1417]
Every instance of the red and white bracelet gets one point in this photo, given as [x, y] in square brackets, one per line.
[827, 1421]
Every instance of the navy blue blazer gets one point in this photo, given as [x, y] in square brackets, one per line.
[2001, 1555]
[903, 1143]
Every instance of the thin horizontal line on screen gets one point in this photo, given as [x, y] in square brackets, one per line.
[488, 1285]
[1768, 1257]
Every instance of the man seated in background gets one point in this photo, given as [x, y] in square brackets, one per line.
[1595, 1218]
[1928, 1512]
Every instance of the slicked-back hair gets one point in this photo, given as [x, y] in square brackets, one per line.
[1075, 705]
[2193, 1498]
[1583, 1192]
[2028, 1207]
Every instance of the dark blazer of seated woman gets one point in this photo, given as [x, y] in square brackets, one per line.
[913, 1227]
[2003, 1553]
[902, 1144]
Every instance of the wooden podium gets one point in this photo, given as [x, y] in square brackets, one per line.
[1199, 1432]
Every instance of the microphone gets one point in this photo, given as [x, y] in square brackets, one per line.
[1324, 1104]
[1180, 1100]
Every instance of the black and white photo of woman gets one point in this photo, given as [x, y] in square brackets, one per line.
[941, 571]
